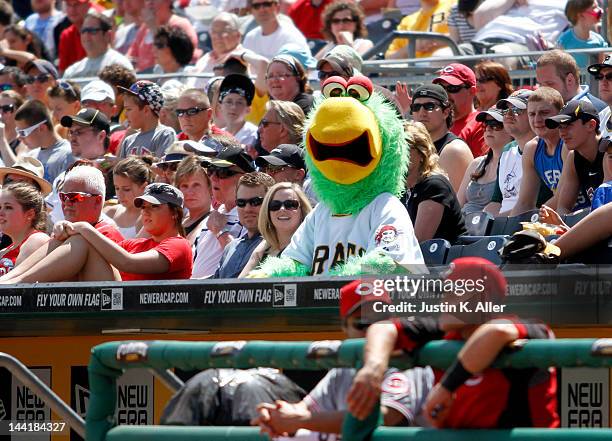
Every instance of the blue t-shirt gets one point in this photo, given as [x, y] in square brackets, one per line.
[602, 195]
[569, 40]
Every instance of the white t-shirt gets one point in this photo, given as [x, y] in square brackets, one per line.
[247, 135]
[91, 67]
[207, 250]
[538, 15]
[383, 225]
[510, 175]
[604, 117]
[269, 45]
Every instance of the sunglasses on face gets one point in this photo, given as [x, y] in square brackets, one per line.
[92, 31]
[260, 5]
[289, 204]
[42, 78]
[430, 107]
[28, 130]
[494, 125]
[325, 75]
[6, 86]
[253, 202]
[168, 166]
[342, 20]
[607, 77]
[513, 111]
[7, 108]
[75, 196]
[222, 173]
[265, 123]
[455, 89]
[67, 87]
[189, 112]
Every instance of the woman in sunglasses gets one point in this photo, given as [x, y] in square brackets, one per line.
[10, 101]
[130, 177]
[283, 209]
[23, 218]
[493, 83]
[86, 254]
[173, 50]
[343, 23]
[480, 178]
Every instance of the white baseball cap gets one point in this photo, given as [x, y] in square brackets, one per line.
[97, 91]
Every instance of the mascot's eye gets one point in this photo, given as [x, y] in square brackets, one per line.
[360, 88]
[334, 86]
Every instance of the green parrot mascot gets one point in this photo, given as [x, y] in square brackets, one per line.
[357, 158]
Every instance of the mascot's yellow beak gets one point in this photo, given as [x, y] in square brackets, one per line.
[344, 140]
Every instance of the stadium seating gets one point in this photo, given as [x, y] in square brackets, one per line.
[315, 45]
[510, 225]
[478, 223]
[435, 251]
[572, 219]
[487, 247]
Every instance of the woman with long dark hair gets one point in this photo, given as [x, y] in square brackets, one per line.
[343, 23]
[493, 83]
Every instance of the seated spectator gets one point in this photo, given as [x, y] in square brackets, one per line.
[283, 210]
[558, 69]
[34, 126]
[494, 391]
[82, 199]
[431, 17]
[89, 255]
[430, 106]
[285, 163]
[155, 14]
[480, 179]
[342, 61]
[69, 47]
[88, 133]
[143, 102]
[493, 83]
[602, 72]
[126, 31]
[578, 125]
[171, 90]
[96, 35]
[28, 170]
[64, 100]
[222, 225]
[116, 75]
[43, 19]
[194, 114]
[235, 97]
[544, 155]
[194, 183]
[13, 78]
[250, 194]
[10, 101]
[173, 51]
[22, 46]
[459, 81]
[165, 169]
[40, 75]
[585, 16]
[324, 409]
[461, 22]
[343, 23]
[271, 33]
[430, 199]
[130, 178]
[283, 123]
[286, 80]
[23, 218]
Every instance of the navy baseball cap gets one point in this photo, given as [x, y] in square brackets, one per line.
[573, 111]
[159, 193]
[233, 156]
[284, 154]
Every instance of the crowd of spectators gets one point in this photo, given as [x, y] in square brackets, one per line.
[229, 149]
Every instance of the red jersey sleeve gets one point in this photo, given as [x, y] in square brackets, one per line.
[178, 252]
[414, 332]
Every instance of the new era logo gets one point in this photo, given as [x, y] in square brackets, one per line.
[112, 299]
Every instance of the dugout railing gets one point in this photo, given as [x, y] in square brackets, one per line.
[109, 360]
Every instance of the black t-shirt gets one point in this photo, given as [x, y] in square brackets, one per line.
[590, 174]
[437, 188]
[441, 143]
[304, 100]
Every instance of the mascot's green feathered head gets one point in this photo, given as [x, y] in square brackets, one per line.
[355, 146]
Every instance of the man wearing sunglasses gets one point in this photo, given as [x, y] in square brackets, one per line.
[35, 128]
[40, 75]
[96, 38]
[272, 32]
[252, 189]
[223, 224]
[602, 72]
[459, 81]
[194, 113]
[342, 61]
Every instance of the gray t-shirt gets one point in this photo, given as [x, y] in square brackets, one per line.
[91, 67]
[154, 142]
[404, 391]
[55, 159]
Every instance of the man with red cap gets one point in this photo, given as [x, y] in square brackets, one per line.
[324, 408]
[459, 81]
[470, 394]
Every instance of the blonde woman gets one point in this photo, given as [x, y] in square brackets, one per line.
[430, 199]
[283, 209]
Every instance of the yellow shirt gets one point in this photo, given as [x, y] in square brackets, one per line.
[433, 20]
[258, 108]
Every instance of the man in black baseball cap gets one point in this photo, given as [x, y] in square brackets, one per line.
[285, 163]
[231, 158]
[602, 72]
[578, 124]
[88, 133]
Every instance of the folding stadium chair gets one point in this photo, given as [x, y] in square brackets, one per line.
[487, 247]
[510, 225]
[478, 223]
[434, 251]
[204, 42]
[455, 252]
[573, 218]
[315, 45]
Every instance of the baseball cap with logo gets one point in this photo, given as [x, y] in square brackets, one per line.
[148, 92]
[594, 69]
[518, 99]
[233, 156]
[239, 84]
[158, 193]
[456, 74]
[493, 112]
[284, 154]
[434, 91]
[573, 111]
[88, 117]
[97, 91]
[356, 294]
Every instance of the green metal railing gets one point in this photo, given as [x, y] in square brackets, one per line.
[109, 360]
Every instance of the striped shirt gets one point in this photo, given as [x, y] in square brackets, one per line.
[459, 21]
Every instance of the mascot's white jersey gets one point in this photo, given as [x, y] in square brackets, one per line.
[323, 239]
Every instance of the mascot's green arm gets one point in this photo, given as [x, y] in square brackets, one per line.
[283, 267]
[374, 262]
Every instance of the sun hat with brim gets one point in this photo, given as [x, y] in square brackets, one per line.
[175, 153]
[30, 168]
[206, 147]
[159, 193]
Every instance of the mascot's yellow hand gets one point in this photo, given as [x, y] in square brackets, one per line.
[257, 274]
